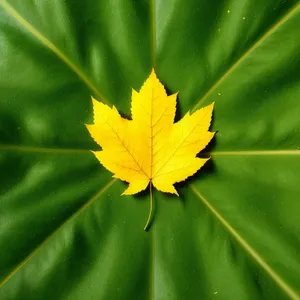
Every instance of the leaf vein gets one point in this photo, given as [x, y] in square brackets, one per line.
[10, 10]
[45, 242]
[283, 20]
[247, 247]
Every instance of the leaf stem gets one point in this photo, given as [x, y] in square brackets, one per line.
[151, 209]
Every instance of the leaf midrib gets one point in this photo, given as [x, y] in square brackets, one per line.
[152, 232]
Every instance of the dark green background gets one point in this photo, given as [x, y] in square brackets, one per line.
[65, 231]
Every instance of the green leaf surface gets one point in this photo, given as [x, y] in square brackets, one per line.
[65, 231]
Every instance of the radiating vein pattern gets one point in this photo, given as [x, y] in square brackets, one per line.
[242, 243]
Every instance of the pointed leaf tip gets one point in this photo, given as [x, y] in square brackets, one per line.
[151, 147]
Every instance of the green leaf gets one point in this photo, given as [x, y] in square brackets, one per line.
[65, 231]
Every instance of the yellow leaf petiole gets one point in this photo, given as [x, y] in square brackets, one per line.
[151, 209]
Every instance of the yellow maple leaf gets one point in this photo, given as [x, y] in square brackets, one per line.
[151, 148]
